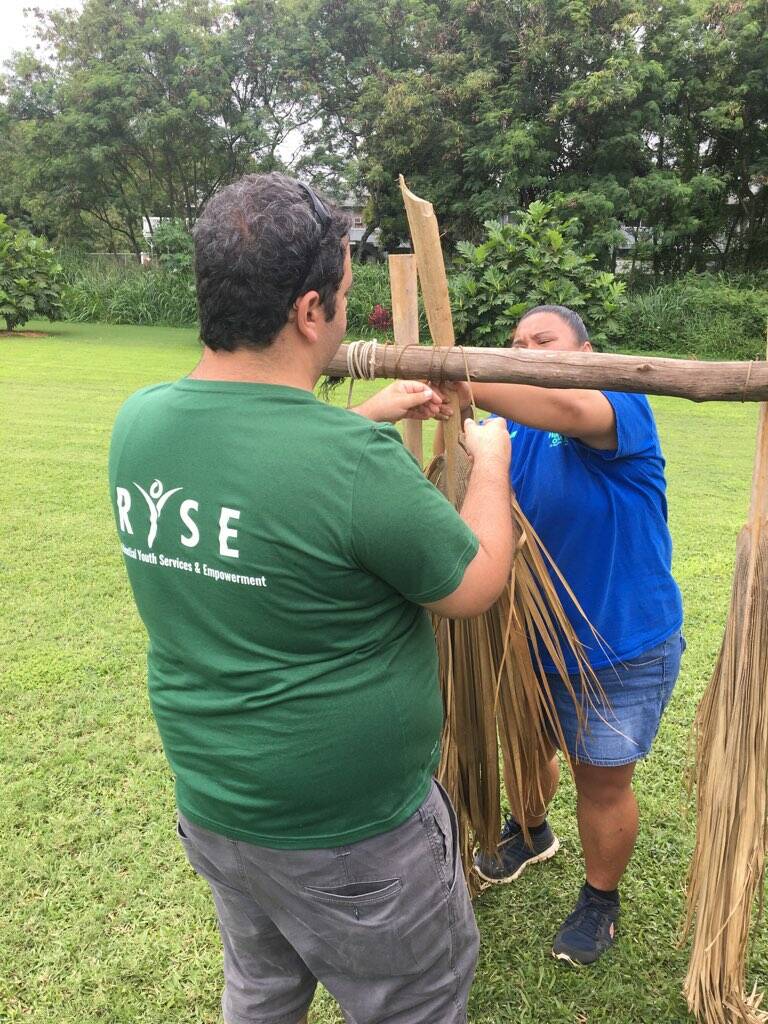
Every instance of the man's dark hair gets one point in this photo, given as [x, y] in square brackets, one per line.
[569, 316]
[260, 244]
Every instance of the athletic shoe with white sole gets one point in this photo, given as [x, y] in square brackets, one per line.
[512, 854]
[589, 931]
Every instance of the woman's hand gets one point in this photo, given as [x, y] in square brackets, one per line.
[461, 389]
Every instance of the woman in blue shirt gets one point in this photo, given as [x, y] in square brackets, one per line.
[588, 472]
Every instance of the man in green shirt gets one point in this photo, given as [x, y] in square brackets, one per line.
[282, 553]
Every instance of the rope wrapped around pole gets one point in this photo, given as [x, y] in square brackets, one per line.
[695, 380]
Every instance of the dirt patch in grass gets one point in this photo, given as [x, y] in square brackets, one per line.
[23, 334]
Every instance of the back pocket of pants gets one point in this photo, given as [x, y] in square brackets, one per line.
[359, 926]
[356, 893]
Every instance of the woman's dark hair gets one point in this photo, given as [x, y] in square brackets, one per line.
[260, 244]
[567, 315]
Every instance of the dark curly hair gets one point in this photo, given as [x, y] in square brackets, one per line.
[259, 245]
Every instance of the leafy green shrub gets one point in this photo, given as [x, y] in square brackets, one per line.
[173, 246]
[30, 277]
[533, 261]
[699, 315]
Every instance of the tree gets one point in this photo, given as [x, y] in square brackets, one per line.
[147, 108]
[633, 116]
[30, 277]
[709, 130]
[643, 120]
[492, 119]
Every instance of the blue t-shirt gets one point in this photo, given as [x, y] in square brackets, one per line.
[602, 515]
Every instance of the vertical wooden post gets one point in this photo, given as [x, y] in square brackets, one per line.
[405, 320]
[425, 236]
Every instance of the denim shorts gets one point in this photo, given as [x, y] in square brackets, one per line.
[386, 924]
[637, 692]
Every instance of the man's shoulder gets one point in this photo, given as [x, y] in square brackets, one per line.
[135, 403]
[359, 429]
[143, 395]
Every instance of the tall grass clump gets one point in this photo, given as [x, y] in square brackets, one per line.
[109, 292]
[129, 295]
[702, 315]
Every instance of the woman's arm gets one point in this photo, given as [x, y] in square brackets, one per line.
[585, 415]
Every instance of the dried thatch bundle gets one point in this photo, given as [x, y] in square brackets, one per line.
[731, 728]
[493, 692]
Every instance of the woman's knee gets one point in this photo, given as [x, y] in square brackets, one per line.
[601, 784]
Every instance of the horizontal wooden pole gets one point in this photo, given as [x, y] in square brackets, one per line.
[681, 378]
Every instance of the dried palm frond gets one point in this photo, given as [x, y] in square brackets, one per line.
[495, 691]
[731, 730]
[491, 687]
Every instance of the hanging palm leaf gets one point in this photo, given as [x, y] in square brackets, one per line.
[731, 729]
[495, 693]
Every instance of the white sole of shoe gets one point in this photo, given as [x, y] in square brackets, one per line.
[547, 854]
[567, 960]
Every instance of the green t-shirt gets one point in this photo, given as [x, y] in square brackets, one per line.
[277, 548]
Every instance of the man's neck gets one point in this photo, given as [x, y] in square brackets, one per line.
[273, 365]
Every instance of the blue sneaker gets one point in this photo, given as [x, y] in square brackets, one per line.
[512, 854]
[587, 932]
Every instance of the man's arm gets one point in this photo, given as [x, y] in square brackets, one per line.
[404, 399]
[487, 511]
[406, 533]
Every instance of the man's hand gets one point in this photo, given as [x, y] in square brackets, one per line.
[487, 512]
[489, 443]
[405, 399]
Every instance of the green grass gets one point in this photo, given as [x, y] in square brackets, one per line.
[102, 919]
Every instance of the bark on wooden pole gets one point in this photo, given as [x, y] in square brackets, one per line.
[403, 286]
[680, 378]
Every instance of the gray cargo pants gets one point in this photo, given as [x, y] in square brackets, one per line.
[385, 924]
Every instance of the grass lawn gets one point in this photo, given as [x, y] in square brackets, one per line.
[102, 918]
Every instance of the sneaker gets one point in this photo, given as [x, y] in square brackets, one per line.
[586, 933]
[512, 854]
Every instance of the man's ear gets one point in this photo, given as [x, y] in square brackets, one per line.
[308, 311]
[587, 346]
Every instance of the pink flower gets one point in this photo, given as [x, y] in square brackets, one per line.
[380, 318]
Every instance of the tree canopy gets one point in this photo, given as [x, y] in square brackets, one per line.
[647, 122]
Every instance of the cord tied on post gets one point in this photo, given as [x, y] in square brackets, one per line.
[361, 360]
[361, 363]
